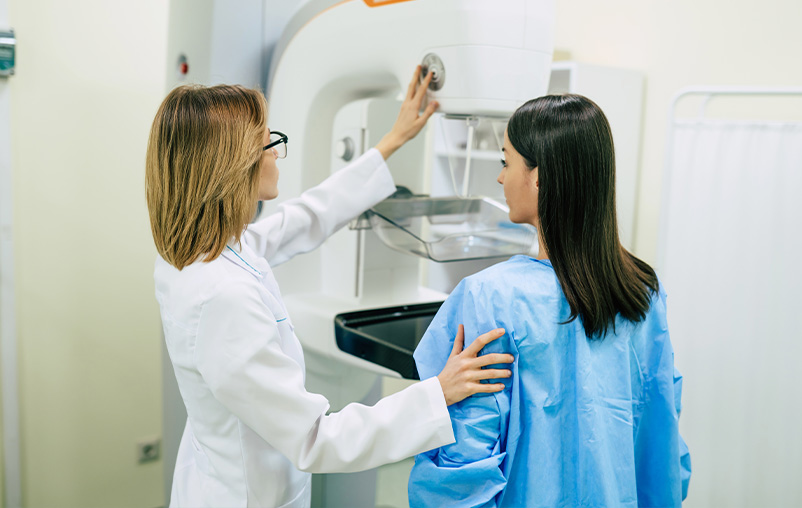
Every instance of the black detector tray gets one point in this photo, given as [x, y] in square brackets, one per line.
[386, 337]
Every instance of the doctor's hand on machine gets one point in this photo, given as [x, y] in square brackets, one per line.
[409, 122]
[253, 432]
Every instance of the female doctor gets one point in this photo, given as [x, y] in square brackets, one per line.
[253, 433]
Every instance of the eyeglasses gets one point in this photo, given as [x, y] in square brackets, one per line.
[278, 142]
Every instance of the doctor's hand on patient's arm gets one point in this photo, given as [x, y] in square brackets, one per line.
[463, 372]
[409, 122]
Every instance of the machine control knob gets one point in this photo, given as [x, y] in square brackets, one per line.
[432, 62]
[345, 149]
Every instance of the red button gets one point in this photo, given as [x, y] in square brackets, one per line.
[183, 68]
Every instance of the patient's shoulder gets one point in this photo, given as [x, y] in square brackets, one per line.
[514, 272]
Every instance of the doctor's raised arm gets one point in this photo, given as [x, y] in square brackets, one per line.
[303, 223]
[253, 432]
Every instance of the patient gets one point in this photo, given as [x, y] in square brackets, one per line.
[590, 415]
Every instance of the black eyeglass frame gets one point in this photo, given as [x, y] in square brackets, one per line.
[282, 139]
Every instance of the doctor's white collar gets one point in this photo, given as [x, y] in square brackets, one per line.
[236, 254]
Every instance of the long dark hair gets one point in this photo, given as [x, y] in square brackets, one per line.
[567, 137]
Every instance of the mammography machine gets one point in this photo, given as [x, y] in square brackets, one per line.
[333, 89]
[361, 301]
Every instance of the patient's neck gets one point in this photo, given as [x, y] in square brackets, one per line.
[542, 252]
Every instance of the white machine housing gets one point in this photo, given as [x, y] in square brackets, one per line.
[496, 56]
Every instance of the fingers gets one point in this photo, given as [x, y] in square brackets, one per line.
[459, 340]
[483, 340]
[492, 374]
[493, 359]
[421, 92]
[413, 83]
[487, 388]
[428, 112]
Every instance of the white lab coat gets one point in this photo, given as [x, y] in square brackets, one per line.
[253, 433]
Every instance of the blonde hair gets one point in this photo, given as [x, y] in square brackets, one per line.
[202, 169]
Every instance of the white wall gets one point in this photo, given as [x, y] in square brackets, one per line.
[680, 43]
[90, 76]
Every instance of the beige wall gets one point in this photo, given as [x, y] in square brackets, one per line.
[90, 76]
[676, 44]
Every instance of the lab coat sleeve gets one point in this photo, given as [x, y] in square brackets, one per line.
[468, 472]
[303, 223]
[684, 453]
[238, 352]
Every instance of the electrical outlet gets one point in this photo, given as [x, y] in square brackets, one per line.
[148, 450]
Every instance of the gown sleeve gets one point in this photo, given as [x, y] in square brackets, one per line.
[684, 453]
[468, 472]
[238, 352]
[301, 224]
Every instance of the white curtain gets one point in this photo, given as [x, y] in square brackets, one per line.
[731, 263]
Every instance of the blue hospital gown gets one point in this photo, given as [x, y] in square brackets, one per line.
[580, 423]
